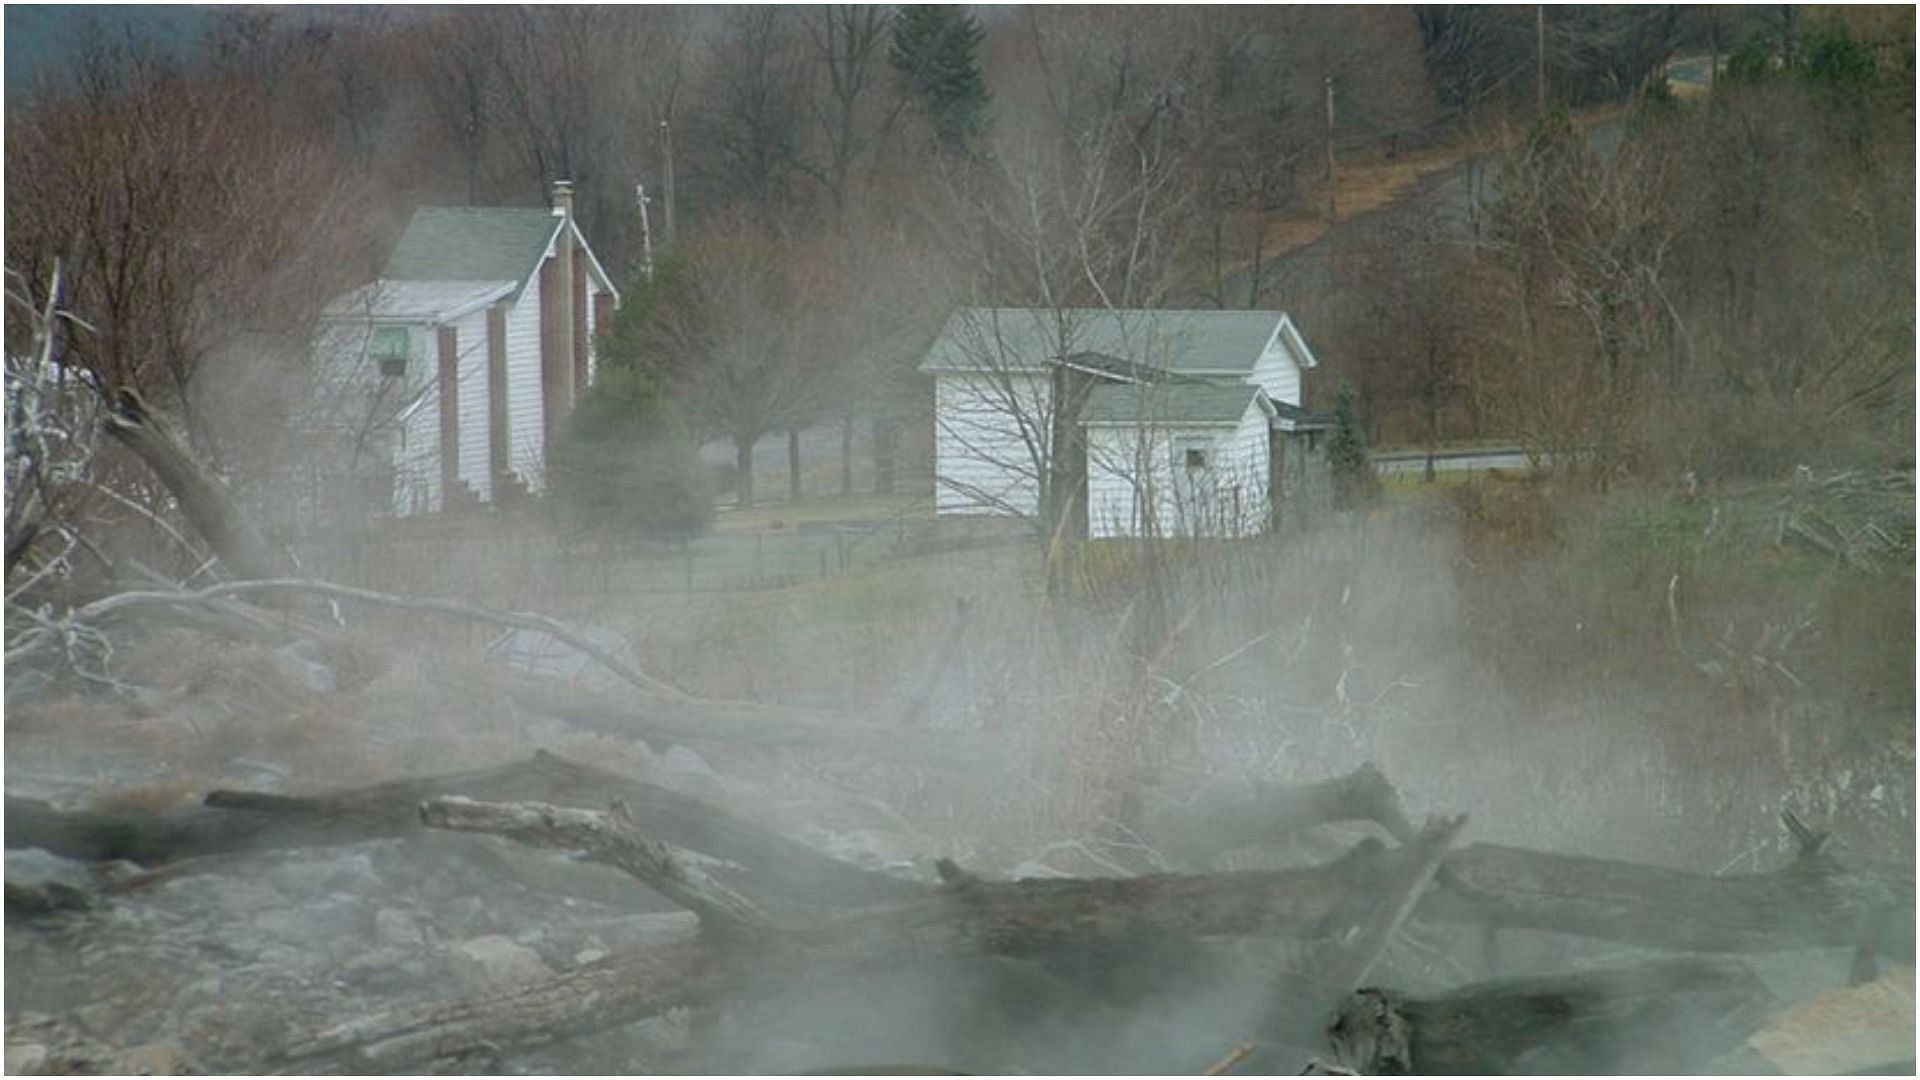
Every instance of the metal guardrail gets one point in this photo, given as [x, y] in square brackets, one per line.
[1474, 459]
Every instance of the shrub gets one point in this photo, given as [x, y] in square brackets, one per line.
[624, 467]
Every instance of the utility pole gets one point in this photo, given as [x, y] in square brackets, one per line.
[646, 232]
[1539, 60]
[666, 157]
[1333, 211]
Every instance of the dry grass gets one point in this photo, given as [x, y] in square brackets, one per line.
[1374, 180]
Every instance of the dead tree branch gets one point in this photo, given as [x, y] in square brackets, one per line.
[101, 609]
[613, 838]
[1359, 953]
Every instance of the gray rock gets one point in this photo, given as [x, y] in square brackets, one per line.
[682, 760]
[377, 969]
[493, 961]
[25, 1058]
[397, 928]
[160, 1058]
[310, 878]
[663, 928]
[39, 881]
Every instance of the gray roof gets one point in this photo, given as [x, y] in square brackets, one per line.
[1182, 401]
[419, 301]
[472, 243]
[1214, 342]
[1301, 418]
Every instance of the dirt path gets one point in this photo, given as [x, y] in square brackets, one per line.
[1374, 180]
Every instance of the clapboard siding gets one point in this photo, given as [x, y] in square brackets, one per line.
[526, 431]
[416, 469]
[1138, 483]
[1278, 372]
[986, 432]
[472, 366]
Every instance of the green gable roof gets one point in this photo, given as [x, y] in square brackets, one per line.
[472, 243]
[1183, 401]
[1177, 341]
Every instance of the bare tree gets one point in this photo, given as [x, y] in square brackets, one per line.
[750, 115]
[573, 89]
[184, 220]
[1087, 222]
[850, 46]
[740, 339]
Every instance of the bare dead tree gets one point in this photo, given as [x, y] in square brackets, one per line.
[750, 117]
[850, 44]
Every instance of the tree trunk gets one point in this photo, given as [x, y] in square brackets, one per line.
[793, 465]
[883, 450]
[1665, 1016]
[203, 497]
[846, 457]
[232, 821]
[743, 471]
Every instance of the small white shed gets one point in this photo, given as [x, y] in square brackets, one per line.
[1185, 416]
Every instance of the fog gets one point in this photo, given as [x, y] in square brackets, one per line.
[592, 541]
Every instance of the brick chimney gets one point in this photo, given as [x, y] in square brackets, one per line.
[556, 320]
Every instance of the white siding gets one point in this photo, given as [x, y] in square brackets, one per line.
[416, 465]
[1278, 373]
[1121, 478]
[990, 433]
[472, 367]
[1246, 460]
[526, 449]
[1137, 479]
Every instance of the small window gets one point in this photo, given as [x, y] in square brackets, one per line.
[390, 350]
[1196, 458]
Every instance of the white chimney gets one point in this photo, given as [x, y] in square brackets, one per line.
[563, 198]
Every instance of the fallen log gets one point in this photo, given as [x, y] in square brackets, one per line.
[1818, 901]
[612, 838]
[762, 863]
[1042, 918]
[1360, 950]
[968, 916]
[1665, 1016]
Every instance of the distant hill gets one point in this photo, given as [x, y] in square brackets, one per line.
[39, 36]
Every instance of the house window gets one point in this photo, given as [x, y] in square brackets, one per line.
[1196, 458]
[390, 348]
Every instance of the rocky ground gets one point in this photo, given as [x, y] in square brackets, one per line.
[214, 964]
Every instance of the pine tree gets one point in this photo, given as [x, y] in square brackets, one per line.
[624, 465]
[936, 53]
[1353, 479]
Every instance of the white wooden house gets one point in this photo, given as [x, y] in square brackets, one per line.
[441, 383]
[1190, 422]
